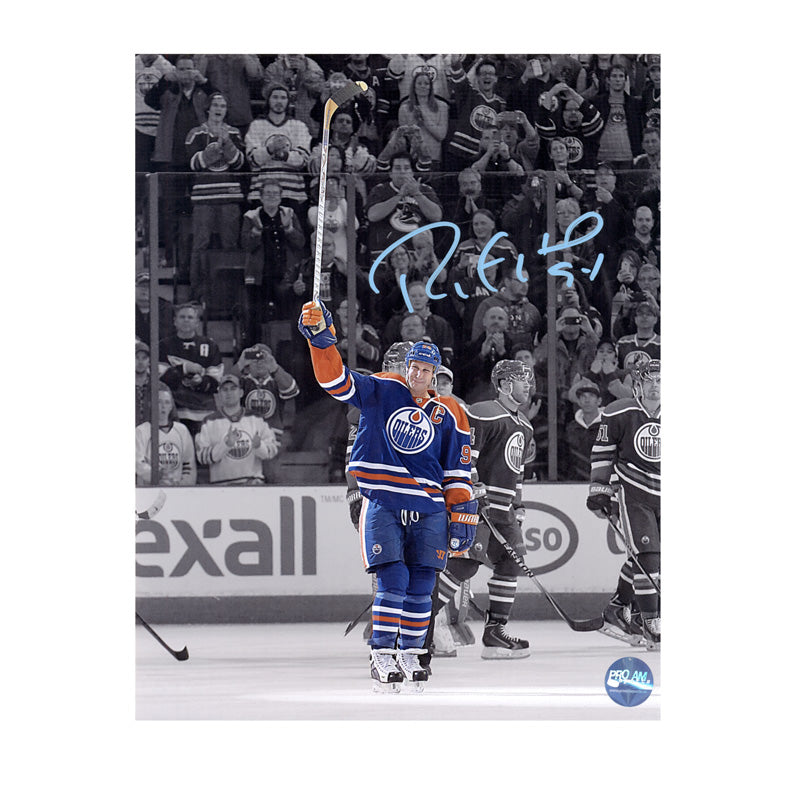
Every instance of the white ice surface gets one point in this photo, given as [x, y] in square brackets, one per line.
[312, 671]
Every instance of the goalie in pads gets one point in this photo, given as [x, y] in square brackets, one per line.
[411, 460]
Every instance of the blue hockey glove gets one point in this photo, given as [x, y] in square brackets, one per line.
[316, 324]
[463, 524]
[599, 499]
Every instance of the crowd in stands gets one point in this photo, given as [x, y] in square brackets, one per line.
[472, 140]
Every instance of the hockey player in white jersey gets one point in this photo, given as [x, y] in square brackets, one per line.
[501, 436]
[627, 451]
[411, 458]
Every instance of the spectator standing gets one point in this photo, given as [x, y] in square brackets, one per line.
[621, 137]
[651, 96]
[278, 145]
[500, 172]
[645, 343]
[524, 319]
[524, 216]
[481, 354]
[273, 241]
[605, 373]
[269, 392]
[536, 80]
[181, 98]
[643, 241]
[465, 269]
[215, 151]
[148, 69]
[473, 110]
[142, 312]
[429, 113]
[232, 442]
[176, 459]
[142, 382]
[399, 205]
[191, 365]
[650, 158]
[581, 432]
[335, 219]
[437, 328]
[575, 120]
[470, 198]
[367, 339]
[520, 137]
[233, 75]
[303, 78]
[558, 162]
[576, 345]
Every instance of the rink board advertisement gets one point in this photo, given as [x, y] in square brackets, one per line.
[296, 541]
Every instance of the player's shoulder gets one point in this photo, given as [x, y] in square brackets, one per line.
[487, 410]
[623, 405]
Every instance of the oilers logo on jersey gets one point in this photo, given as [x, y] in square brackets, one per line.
[243, 445]
[261, 402]
[647, 441]
[169, 457]
[410, 430]
[515, 451]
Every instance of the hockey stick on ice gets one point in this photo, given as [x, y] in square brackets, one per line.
[576, 624]
[624, 539]
[180, 655]
[358, 618]
[155, 508]
[339, 97]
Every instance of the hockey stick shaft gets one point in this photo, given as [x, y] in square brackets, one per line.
[179, 655]
[576, 624]
[358, 618]
[347, 92]
[624, 539]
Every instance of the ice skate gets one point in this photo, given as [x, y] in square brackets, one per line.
[618, 623]
[383, 669]
[497, 644]
[651, 628]
[444, 645]
[413, 672]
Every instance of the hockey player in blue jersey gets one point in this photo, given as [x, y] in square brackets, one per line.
[411, 458]
[627, 452]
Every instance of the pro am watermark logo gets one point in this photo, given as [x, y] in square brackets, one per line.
[515, 452]
[410, 430]
[629, 681]
[647, 441]
[550, 536]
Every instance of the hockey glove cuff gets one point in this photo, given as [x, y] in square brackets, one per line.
[599, 499]
[354, 501]
[316, 324]
[463, 525]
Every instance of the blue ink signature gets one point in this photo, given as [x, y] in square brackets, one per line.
[562, 268]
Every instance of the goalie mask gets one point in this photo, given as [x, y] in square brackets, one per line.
[394, 359]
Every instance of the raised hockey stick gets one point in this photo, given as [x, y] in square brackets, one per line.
[155, 508]
[624, 539]
[180, 655]
[576, 624]
[340, 96]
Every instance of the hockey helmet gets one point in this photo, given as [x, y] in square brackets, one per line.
[511, 369]
[645, 371]
[394, 359]
[426, 352]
